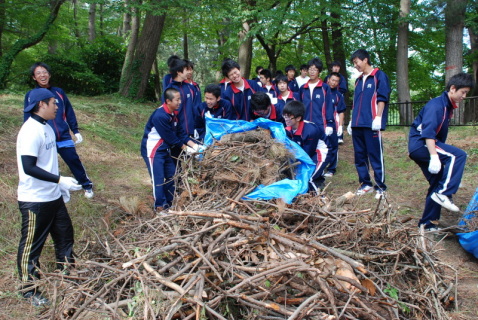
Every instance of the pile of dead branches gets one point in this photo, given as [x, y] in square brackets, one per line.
[232, 168]
[217, 256]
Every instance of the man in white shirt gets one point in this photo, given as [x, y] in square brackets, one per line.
[41, 191]
[303, 77]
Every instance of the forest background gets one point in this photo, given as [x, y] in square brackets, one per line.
[108, 46]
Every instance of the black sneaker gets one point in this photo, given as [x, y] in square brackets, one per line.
[36, 298]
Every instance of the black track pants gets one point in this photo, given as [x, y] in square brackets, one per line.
[38, 220]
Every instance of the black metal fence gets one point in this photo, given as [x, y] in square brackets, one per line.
[403, 113]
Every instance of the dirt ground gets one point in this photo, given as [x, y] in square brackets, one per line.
[407, 190]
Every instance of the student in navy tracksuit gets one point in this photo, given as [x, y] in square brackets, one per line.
[168, 78]
[318, 105]
[258, 72]
[189, 75]
[239, 91]
[262, 107]
[441, 163]
[369, 117]
[64, 121]
[310, 137]
[162, 132]
[339, 109]
[285, 95]
[212, 107]
[267, 86]
[343, 83]
[292, 82]
[179, 71]
[343, 88]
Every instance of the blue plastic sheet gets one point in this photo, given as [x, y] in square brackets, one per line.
[469, 240]
[285, 189]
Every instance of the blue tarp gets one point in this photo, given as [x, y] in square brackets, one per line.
[469, 240]
[285, 189]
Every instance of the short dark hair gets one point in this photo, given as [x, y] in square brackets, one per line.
[282, 78]
[317, 63]
[289, 67]
[294, 108]
[176, 66]
[228, 65]
[259, 68]
[336, 63]
[169, 93]
[336, 74]
[213, 88]
[190, 64]
[39, 64]
[260, 101]
[266, 73]
[304, 67]
[37, 105]
[361, 54]
[171, 58]
[461, 80]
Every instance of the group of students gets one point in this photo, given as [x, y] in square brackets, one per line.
[312, 116]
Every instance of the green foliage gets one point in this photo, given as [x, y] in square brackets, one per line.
[73, 75]
[104, 57]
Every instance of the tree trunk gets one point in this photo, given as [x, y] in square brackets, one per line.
[403, 89]
[126, 19]
[454, 24]
[185, 46]
[157, 80]
[339, 51]
[75, 18]
[131, 45]
[91, 22]
[245, 50]
[2, 24]
[474, 53]
[326, 42]
[21, 44]
[135, 80]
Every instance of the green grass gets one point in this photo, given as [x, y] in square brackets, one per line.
[112, 128]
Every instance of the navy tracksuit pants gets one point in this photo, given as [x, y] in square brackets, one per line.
[333, 145]
[72, 159]
[368, 148]
[445, 182]
[162, 168]
[38, 220]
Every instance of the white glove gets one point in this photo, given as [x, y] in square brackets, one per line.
[328, 131]
[435, 165]
[69, 183]
[340, 130]
[377, 123]
[79, 138]
[65, 194]
[349, 128]
[192, 150]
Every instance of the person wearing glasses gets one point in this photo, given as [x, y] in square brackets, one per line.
[310, 137]
[64, 121]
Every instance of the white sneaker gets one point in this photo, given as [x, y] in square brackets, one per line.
[363, 190]
[341, 141]
[444, 201]
[379, 194]
[328, 175]
[89, 193]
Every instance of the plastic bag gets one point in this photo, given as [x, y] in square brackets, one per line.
[286, 189]
[469, 240]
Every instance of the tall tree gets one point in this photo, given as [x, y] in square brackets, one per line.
[403, 89]
[134, 80]
[454, 23]
[23, 43]
[92, 22]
